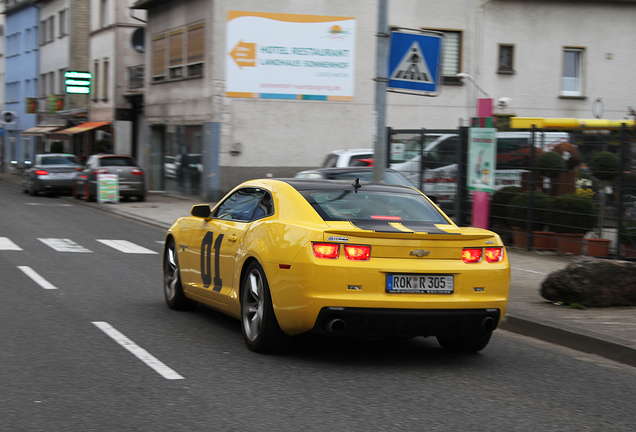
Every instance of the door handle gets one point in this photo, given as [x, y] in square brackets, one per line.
[232, 238]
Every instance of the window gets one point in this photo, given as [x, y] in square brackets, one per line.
[42, 32]
[61, 80]
[62, 25]
[159, 58]
[104, 13]
[51, 82]
[51, 29]
[451, 55]
[195, 50]
[28, 41]
[176, 53]
[43, 88]
[95, 82]
[245, 205]
[105, 81]
[506, 58]
[572, 84]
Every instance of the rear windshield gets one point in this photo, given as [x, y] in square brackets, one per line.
[117, 161]
[373, 206]
[389, 177]
[60, 160]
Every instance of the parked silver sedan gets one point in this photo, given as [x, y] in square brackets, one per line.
[131, 178]
[50, 172]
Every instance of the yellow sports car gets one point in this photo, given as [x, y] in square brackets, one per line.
[290, 256]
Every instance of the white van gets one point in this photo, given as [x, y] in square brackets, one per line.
[440, 156]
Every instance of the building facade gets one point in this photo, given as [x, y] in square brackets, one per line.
[21, 79]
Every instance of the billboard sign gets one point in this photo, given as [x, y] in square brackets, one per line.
[288, 56]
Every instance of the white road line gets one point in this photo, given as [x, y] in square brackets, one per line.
[63, 245]
[127, 247]
[36, 277]
[529, 271]
[6, 244]
[137, 351]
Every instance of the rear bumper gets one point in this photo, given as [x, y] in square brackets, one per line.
[405, 322]
[46, 185]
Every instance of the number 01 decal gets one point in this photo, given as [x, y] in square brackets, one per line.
[206, 261]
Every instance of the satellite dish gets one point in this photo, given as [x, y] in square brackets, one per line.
[138, 40]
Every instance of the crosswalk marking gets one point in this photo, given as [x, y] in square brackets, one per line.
[36, 277]
[63, 245]
[126, 247]
[6, 244]
[138, 351]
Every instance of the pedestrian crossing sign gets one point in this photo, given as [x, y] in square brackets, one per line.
[415, 61]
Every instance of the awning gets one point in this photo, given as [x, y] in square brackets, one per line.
[39, 130]
[82, 128]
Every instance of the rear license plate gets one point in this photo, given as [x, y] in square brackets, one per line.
[419, 283]
[62, 175]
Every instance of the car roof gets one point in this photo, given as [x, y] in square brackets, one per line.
[301, 184]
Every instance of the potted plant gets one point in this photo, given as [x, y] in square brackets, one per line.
[551, 165]
[541, 208]
[628, 239]
[499, 203]
[572, 215]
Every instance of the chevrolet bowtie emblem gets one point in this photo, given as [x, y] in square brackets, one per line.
[420, 253]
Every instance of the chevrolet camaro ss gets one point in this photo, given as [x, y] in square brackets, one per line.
[289, 256]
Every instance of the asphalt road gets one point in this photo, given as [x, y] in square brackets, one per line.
[87, 344]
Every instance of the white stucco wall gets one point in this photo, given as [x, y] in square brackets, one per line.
[280, 134]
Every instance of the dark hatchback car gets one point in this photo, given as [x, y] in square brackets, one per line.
[50, 172]
[131, 178]
[354, 172]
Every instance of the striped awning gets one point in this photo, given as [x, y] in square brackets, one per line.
[84, 127]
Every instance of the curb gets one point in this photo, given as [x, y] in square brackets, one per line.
[578, 341]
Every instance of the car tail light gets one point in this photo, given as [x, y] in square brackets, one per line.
[357, 253]
[326, 250]
[41, 172]
[471, 255]
[494, 255]
[100, 171]
[137, 172]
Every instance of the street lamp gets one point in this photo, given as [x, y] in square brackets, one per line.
[472, 80]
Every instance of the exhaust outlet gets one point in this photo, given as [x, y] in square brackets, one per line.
[488, 324]
[335, 325]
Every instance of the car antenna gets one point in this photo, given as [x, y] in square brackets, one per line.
[356, 184]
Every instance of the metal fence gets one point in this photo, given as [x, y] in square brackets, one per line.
[571, 191]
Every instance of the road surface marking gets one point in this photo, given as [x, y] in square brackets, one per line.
[126, 247]
[63, 245]
[36, 277]
[6, 244]
[529, 271]
[137, 351]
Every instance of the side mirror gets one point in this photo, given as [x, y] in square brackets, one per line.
[201, 210]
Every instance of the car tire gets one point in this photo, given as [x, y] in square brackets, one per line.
[74, 192]
[32, 190]
[260, 328]
[172, 288]
[141, 198]
[465, 344]
[87, 193]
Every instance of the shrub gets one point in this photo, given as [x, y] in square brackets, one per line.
[551, 165]
[499, 203]
[605, 166]
[541, 208]
[572, 213]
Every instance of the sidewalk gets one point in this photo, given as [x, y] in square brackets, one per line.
[608, 332]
